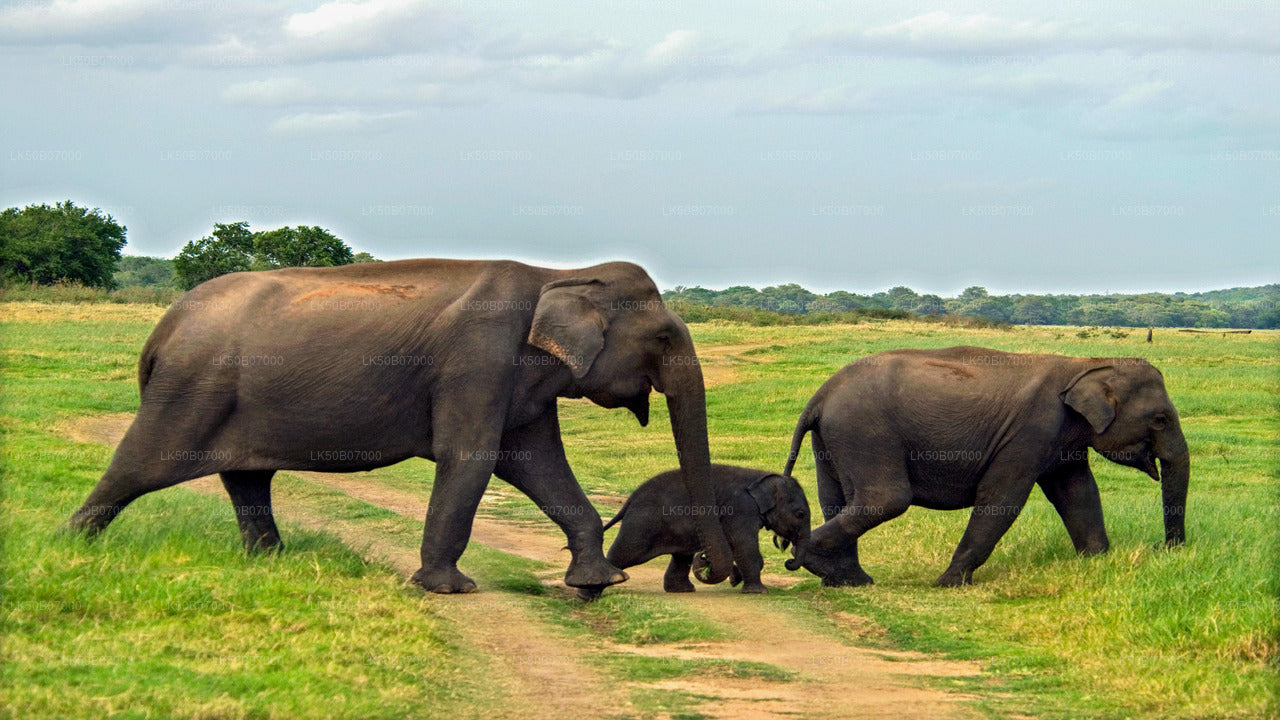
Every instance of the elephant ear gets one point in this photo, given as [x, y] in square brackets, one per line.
[1091, 395]
[567, 324]
[761, 491]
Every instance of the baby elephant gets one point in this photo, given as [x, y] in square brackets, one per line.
[658, 519]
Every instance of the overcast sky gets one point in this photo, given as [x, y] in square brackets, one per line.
[1064, 146]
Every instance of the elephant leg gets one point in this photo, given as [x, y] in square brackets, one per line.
[743, 534]
[1074, 493]
[250, 492]
[155, 453]
[532, 459]
[830, 493]
[465, 447]
[1000, 498]
[881, 492]
[676, 579]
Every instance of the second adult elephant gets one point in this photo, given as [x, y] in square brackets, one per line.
[967, 427]
[356, 367]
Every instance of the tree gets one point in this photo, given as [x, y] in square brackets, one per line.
[234, 248]
[45, 245]
[141, 271]
[363, 257]
[303, 246]
[229, 250]
[929, 305]
[1032, 310]
[903, 298]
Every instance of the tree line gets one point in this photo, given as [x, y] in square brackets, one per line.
[66, 244]
[1255, 307]
[63, 243]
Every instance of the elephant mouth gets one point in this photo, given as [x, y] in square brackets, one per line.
[639, 406]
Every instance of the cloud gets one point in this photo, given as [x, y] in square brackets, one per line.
[619, 71]
[275, 91]
[345, 29]
[834, 101]
[98, 22]
[341, 121]
[941, 35]
[286, 91]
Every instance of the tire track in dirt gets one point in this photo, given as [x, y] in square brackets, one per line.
[834, 677]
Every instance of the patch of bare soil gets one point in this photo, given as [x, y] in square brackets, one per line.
[833, 676]
[721, 363]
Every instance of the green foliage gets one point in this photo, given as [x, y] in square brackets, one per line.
[234, 248]
[142, 271]
[303, 246]
[63, 243]
[1257, 307]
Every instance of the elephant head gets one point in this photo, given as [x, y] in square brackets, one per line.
[785, 509]
[610, 327]
[1131, 421]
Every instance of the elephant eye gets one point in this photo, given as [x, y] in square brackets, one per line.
[1160, 421]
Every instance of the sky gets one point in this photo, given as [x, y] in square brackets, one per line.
[1070, 146]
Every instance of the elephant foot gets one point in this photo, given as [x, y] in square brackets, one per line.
[263, 544]
[954, 578]
[850, 581]
[445, 582]
[683, 585]
[754, 588]
[735, 577]
[588, 574]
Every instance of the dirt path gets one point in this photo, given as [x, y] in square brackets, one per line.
[835, 677]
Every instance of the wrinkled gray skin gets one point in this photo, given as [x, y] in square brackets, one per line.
[357, 367]
[658, 519]
[968, 427]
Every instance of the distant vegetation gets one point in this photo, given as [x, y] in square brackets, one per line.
[43, 244]
[234, 248]
[65, 253]
[791, 304]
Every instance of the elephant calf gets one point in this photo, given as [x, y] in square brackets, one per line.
[658, 519]
[967, 427]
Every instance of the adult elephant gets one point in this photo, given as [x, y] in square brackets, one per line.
[968, 427]
[356, 367]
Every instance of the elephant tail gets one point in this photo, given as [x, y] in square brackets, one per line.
[616, 518]
[808, 419]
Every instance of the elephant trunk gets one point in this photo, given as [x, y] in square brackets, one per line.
[798, 551]
[1175, 473]
[681, 380]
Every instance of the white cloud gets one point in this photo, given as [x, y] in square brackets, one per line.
[92, 22]
[675, 45]
[340, 121]
[943, 35]
[285, 91]
[624, 71]
[343, 29]
[274, 91]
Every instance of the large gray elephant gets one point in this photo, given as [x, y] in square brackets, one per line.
[357, 367]
[968, 427]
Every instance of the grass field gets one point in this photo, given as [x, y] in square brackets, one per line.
[165, 616]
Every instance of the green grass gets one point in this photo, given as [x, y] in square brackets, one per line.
[165, 616]
[170, 618]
